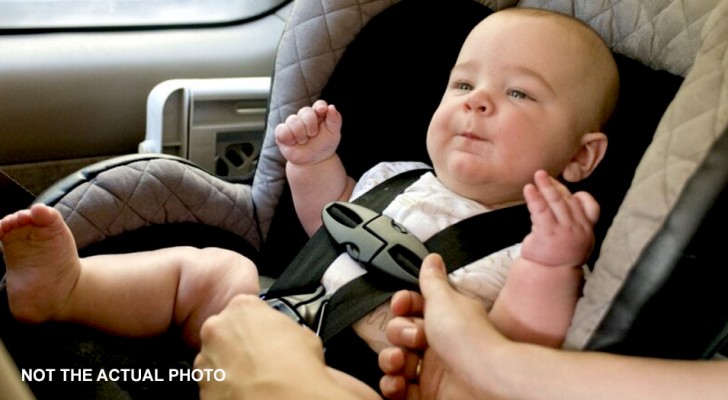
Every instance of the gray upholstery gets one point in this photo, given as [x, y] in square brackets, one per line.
[694, 119]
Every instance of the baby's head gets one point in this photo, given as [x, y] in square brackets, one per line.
[531, 89]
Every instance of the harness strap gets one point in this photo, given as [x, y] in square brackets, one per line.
[308, 267]
[460, 244]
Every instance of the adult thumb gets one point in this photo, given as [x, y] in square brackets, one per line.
[433, 278]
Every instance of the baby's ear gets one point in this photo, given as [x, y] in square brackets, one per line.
[590, 154]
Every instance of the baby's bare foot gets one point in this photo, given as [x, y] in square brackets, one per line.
[42, 263]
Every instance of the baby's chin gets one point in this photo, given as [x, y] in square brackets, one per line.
[468, 168]
[478, 185]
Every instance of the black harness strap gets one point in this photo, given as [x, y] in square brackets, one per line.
[308, 267]
[459, 245]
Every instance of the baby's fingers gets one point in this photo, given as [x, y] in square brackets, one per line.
[578, 209]
[538, 206]
[284, 135]
[556, 197]
[333, 119]
[588, 205]
[321, 107]
[293, 131]
[309, 121]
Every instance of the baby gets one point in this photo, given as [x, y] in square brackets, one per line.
[512, 117]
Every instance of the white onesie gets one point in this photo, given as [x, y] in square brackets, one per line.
[424, 208]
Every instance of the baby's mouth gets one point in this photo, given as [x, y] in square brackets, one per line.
[470, 135]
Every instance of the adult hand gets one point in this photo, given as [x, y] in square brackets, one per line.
[251, 343]
[456, 327]
[264, 354]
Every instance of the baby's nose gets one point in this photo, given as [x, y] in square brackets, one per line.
[478, 102]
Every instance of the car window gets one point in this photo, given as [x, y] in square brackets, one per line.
[119, 14]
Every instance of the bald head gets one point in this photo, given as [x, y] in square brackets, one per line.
[578, 48]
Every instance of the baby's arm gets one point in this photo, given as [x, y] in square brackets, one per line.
[308, 141]
[544, 283]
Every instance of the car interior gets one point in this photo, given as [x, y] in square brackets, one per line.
[207, 172]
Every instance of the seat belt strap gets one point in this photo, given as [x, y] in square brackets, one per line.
[308, 267]
[478, 236]
[460, 244]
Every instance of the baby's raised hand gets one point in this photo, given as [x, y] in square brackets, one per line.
[311, 135]
[562, 230]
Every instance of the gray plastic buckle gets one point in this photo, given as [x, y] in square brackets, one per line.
[307, 309]
[375, 240]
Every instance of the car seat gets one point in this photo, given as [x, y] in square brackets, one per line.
[361, 55]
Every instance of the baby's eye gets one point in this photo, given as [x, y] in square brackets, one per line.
[517, 94]
[460, 85]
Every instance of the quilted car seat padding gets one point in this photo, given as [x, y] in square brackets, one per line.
[390, 80]
[671, 305]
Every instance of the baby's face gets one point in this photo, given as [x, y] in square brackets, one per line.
[512, 106]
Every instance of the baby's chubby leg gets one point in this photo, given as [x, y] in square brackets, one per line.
[145, 293]
[208, 279]
[135, 294]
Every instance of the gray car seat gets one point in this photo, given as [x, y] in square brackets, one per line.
[672, 57]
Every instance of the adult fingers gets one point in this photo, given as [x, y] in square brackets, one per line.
[407, 332]
[395, 387]
[399, 361]
[407, 303]
[433, 279]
